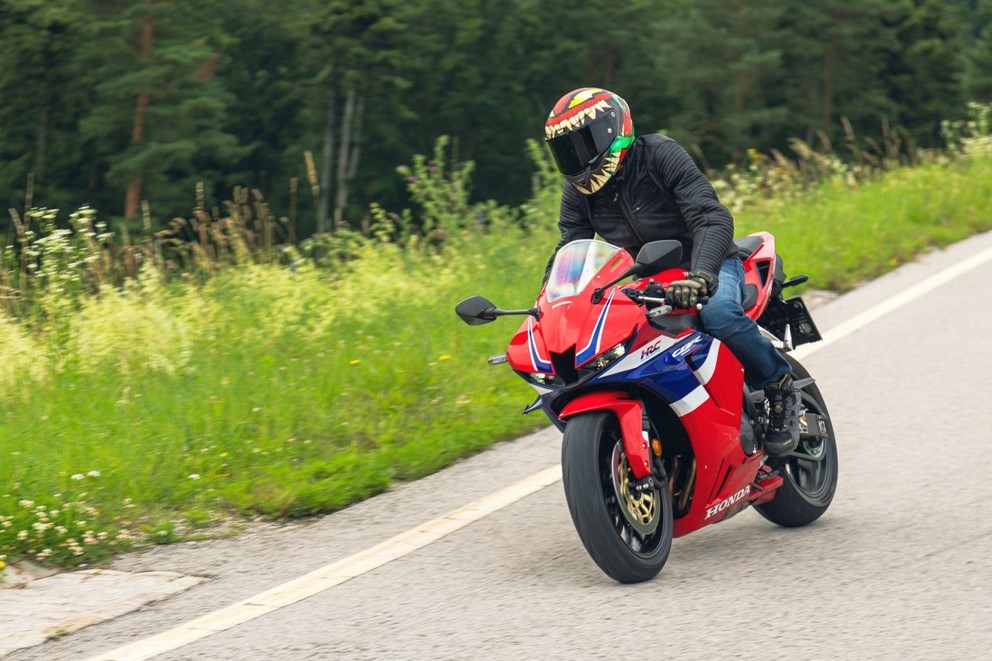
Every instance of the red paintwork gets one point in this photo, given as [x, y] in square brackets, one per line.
[726, 392]
[570, 321]
[723, 469]
[764, 255]
[629, 412]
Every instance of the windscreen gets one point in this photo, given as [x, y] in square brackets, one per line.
[575, 266]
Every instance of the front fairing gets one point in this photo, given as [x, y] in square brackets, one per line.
[573, 331]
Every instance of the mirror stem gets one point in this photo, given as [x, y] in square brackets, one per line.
[597, 294]
[534, 312]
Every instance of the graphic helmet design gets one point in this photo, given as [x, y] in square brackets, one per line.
[588, 132]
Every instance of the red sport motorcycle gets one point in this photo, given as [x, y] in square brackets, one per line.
[661, 434]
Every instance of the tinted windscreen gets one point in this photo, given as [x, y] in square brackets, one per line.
[575, 265]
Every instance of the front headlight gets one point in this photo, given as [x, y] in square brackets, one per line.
[541, 379]
[608, 358]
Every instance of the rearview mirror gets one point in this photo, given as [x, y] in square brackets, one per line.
[476, 310]
[658, 255]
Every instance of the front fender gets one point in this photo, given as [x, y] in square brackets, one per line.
[630, 413]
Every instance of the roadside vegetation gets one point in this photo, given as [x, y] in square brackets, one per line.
[164, 386]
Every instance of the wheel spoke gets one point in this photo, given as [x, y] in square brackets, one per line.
[804, 457]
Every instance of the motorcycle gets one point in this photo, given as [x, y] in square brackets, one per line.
[661, 435]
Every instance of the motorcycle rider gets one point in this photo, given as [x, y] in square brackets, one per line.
[659, 193]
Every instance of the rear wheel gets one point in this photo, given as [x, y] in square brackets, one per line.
[627, 533]
[810, 472]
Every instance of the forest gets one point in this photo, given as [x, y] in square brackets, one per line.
[129, 106]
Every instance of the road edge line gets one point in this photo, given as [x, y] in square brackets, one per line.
[879, 310]
[333, 574]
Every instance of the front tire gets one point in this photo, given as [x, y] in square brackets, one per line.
[628, 534]
[809, 473]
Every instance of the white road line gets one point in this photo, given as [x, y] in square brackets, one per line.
[890, 304]
[333, 574]
[403, 544]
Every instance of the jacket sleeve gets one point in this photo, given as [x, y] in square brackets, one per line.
[574, 221]
[710, 222]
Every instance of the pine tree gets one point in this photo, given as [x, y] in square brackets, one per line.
[923, 70]
[723, 63]
[837, 54]
[159, 124]
[354, 52]
[43, 88]
[977, 78]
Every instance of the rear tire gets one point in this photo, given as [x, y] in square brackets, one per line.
[808, 486]
[629, 547]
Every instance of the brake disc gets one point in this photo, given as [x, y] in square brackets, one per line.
[640, 509]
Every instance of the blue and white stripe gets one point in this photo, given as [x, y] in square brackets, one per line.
[592, 349]
[540, 364]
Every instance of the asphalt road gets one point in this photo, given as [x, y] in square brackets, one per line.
[898, 568]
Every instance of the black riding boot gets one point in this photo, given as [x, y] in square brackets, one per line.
[782, 436]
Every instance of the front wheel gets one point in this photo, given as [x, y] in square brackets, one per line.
[627, 533]
[810, 472]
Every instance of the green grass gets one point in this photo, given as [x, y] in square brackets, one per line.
[842, 236]
[153, 413]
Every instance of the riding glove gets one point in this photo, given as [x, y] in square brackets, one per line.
[688, 292]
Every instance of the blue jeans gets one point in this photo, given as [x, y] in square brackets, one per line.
[723, 318]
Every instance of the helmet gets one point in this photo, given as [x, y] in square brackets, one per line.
[588, 132]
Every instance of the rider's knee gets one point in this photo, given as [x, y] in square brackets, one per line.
[722, 320]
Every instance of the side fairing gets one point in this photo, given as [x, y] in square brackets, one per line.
[685, 371]
[758, 273]
[527, 351]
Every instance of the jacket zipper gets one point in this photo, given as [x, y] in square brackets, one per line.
[618, 197]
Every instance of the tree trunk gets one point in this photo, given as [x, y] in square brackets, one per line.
[327, 164]
[41, 148]
[344, 152]
[133, 198]
[356, 139]
[828, 85]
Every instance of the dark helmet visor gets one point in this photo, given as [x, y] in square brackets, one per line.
[577, 150]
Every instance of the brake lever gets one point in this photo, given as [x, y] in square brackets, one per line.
[662, 310]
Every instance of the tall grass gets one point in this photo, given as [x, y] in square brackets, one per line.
[154, 388]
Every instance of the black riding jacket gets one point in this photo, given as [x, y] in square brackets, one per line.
[659, 193]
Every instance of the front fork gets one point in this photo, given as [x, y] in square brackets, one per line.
[634, 426]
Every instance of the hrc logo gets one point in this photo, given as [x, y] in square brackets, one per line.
[650, 350]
